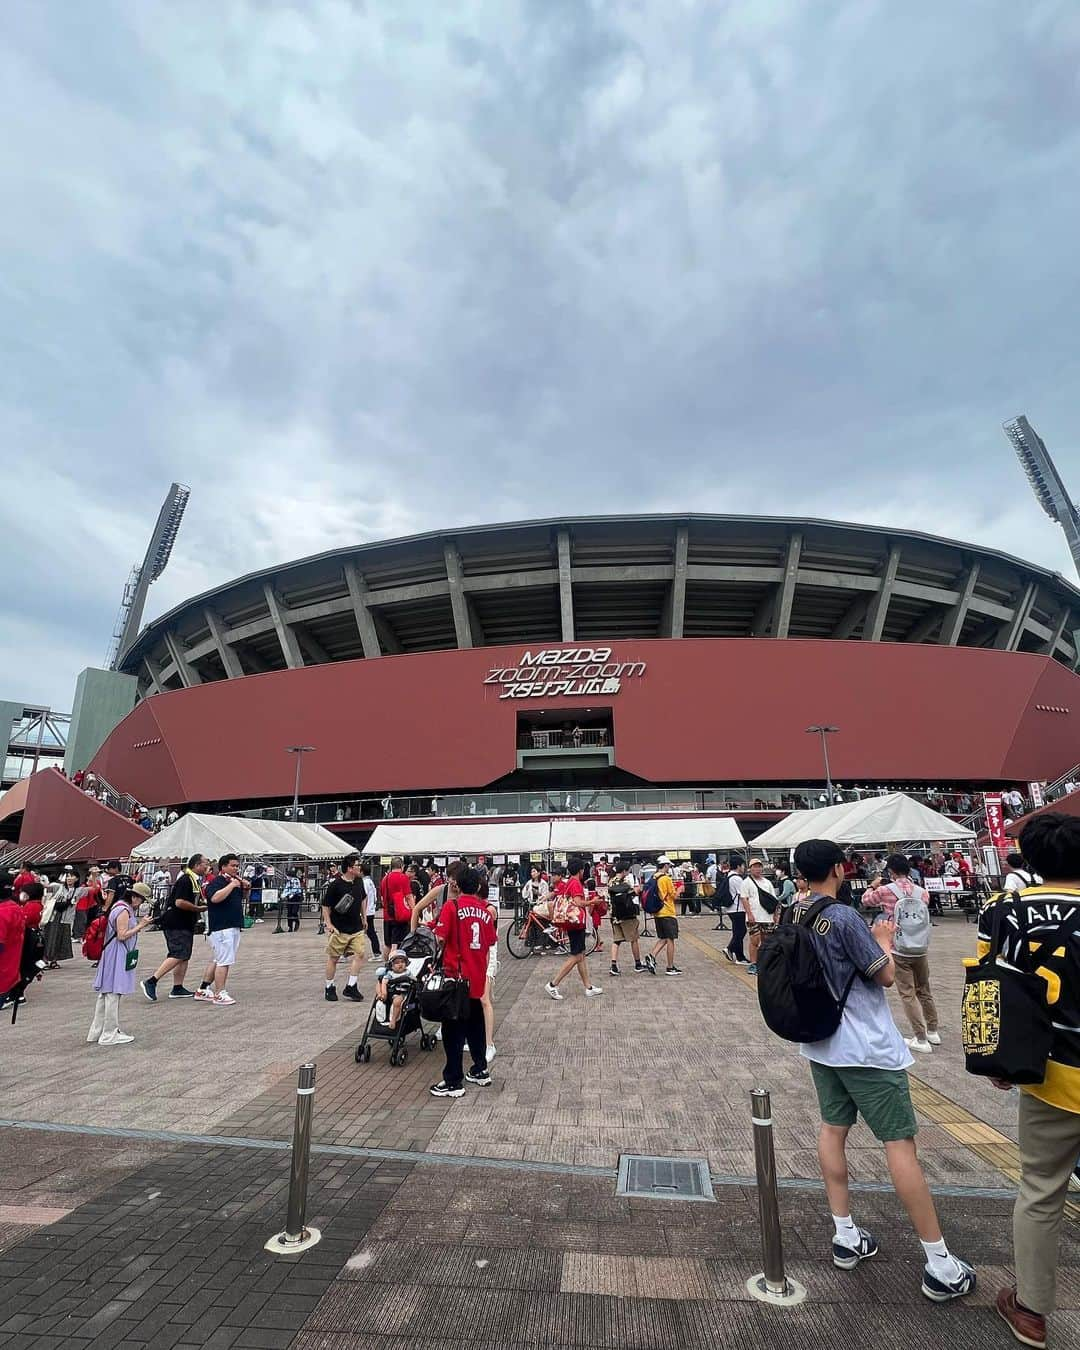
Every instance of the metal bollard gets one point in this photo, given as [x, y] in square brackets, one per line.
[772, 1285]
[297, 1237]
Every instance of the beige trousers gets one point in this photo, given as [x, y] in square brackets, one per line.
[913, 986]
[1049, 1147]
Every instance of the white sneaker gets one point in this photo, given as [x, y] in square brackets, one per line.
[933, 1037]
[552, 992]
[115, 1038]
[920, 1047]
[204, 996]
[593, 990]
[490, 1053]
[223, 1000]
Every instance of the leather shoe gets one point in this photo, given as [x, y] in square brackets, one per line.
[1028, 1327]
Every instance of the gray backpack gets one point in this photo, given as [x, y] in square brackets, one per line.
[912, 919]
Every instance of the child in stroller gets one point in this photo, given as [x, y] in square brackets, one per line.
[395, 1013]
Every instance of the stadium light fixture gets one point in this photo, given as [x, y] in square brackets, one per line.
[156, 559]
[1046, 483]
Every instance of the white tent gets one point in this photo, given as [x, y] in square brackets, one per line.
[486, 837]
[874, 820]
[317, 837]
[217, 835]
[630, 834]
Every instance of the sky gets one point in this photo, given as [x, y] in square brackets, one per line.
[352, 270]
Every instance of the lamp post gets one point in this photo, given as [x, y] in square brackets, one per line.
[299, 751]
[824, 732]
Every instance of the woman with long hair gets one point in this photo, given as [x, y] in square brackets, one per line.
[57, 918]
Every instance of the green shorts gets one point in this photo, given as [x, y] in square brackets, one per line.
[880, 1096]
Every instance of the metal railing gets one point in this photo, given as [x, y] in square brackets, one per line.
[579, 801]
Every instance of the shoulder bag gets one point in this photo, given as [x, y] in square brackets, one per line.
[1005, 1019]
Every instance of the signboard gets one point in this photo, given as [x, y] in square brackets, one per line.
[944, 883]
[1035, 792]
[995, 822]
[564, 672]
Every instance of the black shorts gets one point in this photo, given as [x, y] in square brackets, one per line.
[178, 943]
[395, 931]
[576, 938]
[667, 929]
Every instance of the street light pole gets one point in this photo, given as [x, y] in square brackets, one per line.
[824, 732]
[299, 751]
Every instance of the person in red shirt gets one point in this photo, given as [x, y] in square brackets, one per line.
[12, 927]
[395, 891]
[467, 932]
[574, 889]
[32, 900]
[24, 879]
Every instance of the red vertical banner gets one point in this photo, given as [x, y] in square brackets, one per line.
[995, 822]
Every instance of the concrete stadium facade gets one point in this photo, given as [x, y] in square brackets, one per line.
[605, 579]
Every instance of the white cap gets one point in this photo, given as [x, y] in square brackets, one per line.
[663, 860]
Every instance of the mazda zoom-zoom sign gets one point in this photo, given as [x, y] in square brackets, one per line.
[562, 671]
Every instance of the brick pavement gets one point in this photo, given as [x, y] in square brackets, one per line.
[553, 1262]
[172, 1254]
[506, 1258]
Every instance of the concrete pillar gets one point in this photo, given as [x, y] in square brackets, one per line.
[787, 587]
[566, 590]
[365, 621]
[678, 581]
[290, 648]
[878, 609]
[229, 658]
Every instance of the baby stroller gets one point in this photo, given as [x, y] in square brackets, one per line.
[421, 948]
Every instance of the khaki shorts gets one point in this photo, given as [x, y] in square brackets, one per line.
[625, 930]
[345, 944]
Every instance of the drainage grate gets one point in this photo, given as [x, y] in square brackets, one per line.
[664, 1178]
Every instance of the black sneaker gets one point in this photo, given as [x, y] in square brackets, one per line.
[352, 994]
[149, 988]
[650, 965]
[673, 970]
[442, 1089]
[331, 993]
[613, 969]
[178, 991]
[847, 1258]
[481, 1079]
[940, 1291]
[729, 956]
[640, 968]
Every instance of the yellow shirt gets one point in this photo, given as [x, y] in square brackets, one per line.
[666, 887]
[1047, 907]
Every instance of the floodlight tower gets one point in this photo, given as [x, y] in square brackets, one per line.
[1045, 481]
[153, 564]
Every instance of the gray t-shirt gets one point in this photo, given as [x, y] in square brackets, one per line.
[867, 1037]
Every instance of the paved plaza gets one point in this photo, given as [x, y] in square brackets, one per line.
[489, 1221]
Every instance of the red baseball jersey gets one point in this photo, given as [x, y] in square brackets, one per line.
[468, 932]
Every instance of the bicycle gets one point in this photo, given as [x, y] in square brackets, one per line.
[530, 935]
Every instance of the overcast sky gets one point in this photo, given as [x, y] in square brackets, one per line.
[353, 270]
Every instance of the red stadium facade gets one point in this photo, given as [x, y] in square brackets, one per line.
[700, 711]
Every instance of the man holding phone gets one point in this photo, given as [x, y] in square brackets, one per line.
[225, 921]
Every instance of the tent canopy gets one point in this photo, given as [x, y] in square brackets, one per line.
[628, 833]
[217, 835]
[874, 820]
[486, 837]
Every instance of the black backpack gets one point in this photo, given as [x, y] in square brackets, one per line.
[624, 903]
[793, 993]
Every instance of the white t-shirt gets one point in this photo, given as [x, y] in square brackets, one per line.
[749, 892]
[371, 897]
[734, 884]
[1015, 882]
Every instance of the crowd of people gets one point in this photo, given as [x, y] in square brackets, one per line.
[881, 938]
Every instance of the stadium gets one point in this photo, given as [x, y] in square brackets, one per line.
[570, 666]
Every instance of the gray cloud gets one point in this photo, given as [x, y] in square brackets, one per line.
[353, 270]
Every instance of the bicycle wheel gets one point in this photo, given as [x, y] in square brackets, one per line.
[591, 939]
[516, 935]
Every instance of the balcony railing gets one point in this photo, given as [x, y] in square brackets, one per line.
[369, 811]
